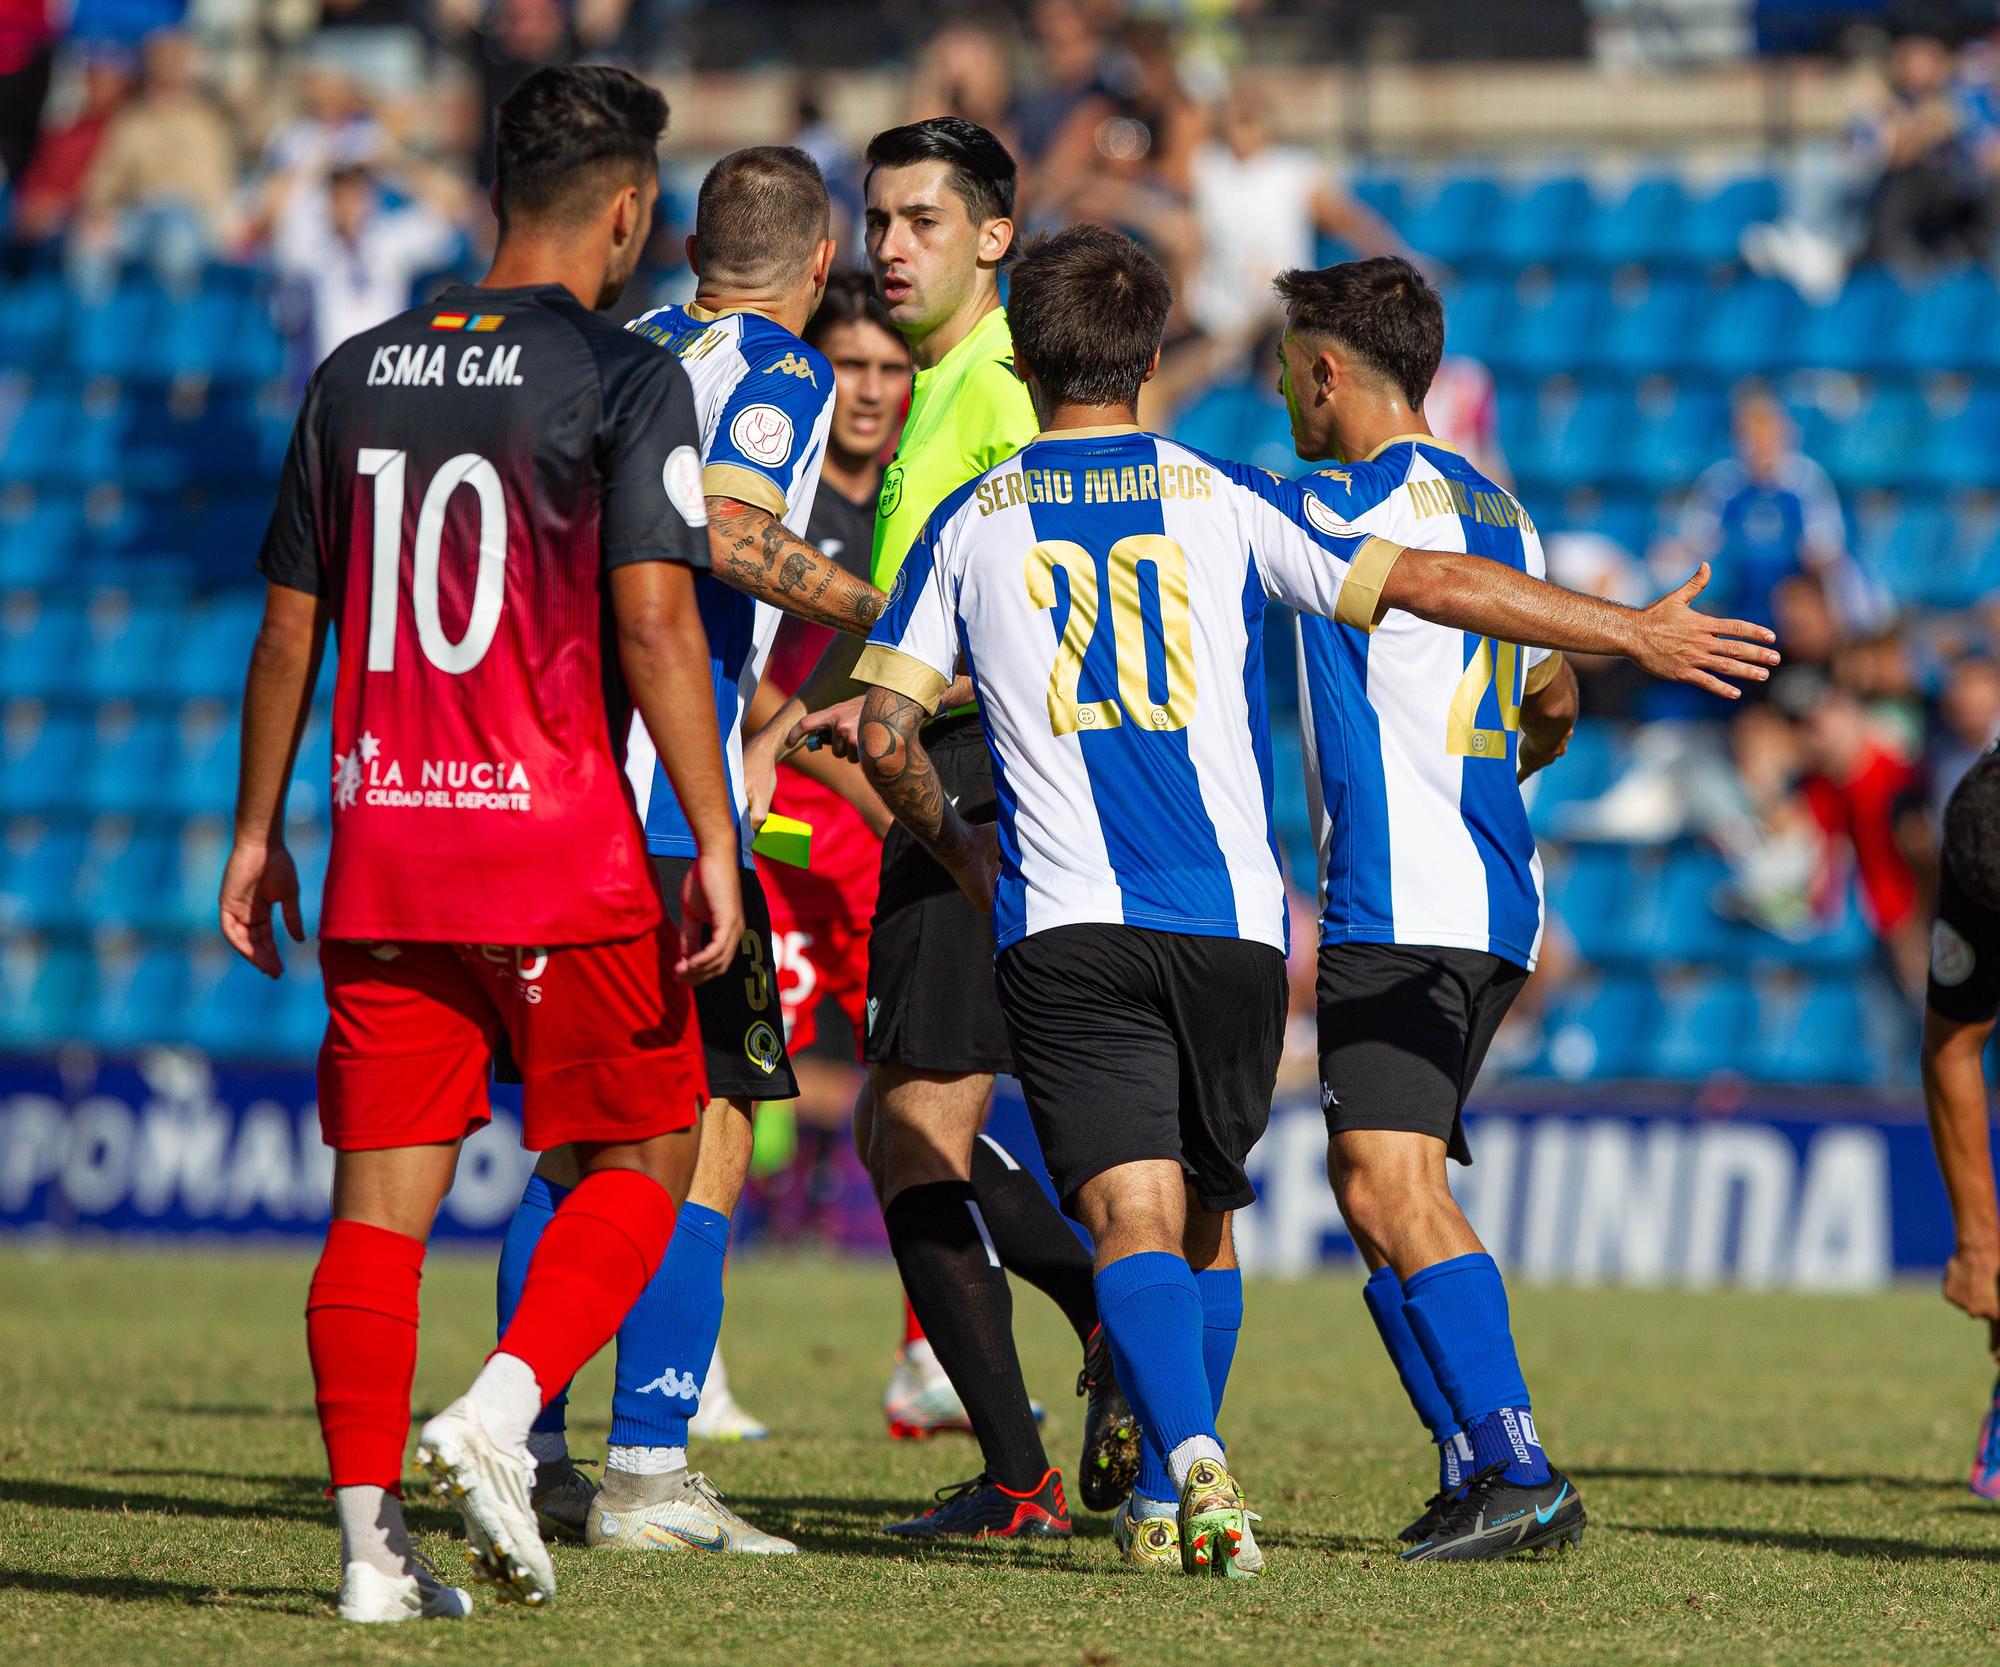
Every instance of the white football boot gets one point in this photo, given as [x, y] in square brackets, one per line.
[680, 1511]
[493, 1490]
[720, 1417]
[369, 1596]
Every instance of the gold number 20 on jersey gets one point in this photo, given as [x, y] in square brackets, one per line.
[1067, 713]
[1463, 736]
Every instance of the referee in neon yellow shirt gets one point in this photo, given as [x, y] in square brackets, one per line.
[940, 224]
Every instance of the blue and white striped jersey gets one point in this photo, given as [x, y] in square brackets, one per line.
[1107, 590]
[765, 400]
[1411, 732]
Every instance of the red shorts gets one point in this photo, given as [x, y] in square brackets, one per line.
[604, 1036]
[820, 916]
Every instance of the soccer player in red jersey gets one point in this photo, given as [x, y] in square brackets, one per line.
[480, 495]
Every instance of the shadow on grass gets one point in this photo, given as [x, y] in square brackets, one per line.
[1804, 1540]
[852, 1527]
[225, 1409]
[282, 1600]
[294, 1499]
[1761, 1478]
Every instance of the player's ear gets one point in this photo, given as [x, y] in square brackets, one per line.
[823, 263]
[1152, 367]
[996, 237]
[688, 247]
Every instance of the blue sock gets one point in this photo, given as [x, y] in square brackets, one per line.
[1384, 1296]
[668, 1339]
[524, 1232]
[1221, 1324]
[1151, 1310]
[1458, 1313]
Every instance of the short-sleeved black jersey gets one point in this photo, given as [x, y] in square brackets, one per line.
[458, 481]
[1964, 983]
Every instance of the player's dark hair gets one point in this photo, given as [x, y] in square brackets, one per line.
[982, 170]
[1088, 309]
[850, 298]
[1972, 832]
[564, 129]
[761, 215]
[1381, 310]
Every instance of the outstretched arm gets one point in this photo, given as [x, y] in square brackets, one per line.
[277, 696]
[756, 553]
[1668, 639]
[901, 771]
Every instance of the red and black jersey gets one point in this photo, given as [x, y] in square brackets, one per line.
[459, 481]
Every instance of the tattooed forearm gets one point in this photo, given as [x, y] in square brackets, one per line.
[758, 555]
[901, 771]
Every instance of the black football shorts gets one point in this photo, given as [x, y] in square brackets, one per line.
[1132, 1044]
[1403, 1031]
[931, 1001]
[742, 1026]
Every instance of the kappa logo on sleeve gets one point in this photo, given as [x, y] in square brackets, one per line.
[763, 434]
[792, 365]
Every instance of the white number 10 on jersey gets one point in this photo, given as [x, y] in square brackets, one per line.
[489, 590]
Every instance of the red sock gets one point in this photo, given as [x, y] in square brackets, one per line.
[361, 1331]
[913, 1328]
[605, 1242]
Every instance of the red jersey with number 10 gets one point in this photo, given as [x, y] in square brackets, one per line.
[459, 481]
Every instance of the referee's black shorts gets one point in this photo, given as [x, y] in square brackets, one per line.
[931, 1001]
[1132, 1045]
[1403, 1031]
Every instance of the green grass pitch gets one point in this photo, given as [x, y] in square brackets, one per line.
[1769, 1478]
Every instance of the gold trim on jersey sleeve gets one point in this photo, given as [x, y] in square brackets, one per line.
[891, 668]
[732, 480]
[1361, 596]
[1542, 674]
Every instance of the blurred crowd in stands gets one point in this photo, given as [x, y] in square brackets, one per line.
[353, 173]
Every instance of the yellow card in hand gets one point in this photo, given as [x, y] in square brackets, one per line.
[785, 840]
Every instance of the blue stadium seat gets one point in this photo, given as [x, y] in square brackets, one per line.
[1903, 545]
[1596, 894]
[187, 902]
[1478, 316]
[1954, 326]
[41, 640]
[1245, 421]
[204, 783]
[38, 446]
[1672, 446]
[1554, 326]
[1967, 571]
[233, 1009]
[38, 885]
[1583, 443]
[1643, 227]
[141, 1000]
[1700, 1029]
[1381, 192]
[1882, 444]
[130, 771]
[119, 337]
[38, 541]
[1962, 452]
[1679, 923]
[216, 647]
[1649, 329]
[130, 642]
[1543, 225]
[39, 755]
[1597, 1033]
[1855, 331]
[1452, 224]
[45, 995]
[301, 1017]
[1747, 329]
[34, 324]
[128, 881]
[1712, 231]
[1818, 1033]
